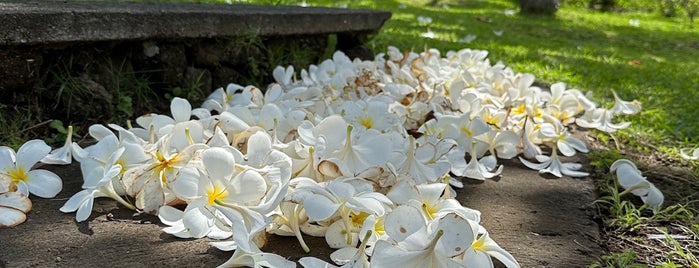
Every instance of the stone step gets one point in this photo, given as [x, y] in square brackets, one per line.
[37, 35]
[50, 22]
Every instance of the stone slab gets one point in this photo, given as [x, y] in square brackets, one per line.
[49, 22]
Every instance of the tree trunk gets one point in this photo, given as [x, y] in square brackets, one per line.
[544, 7]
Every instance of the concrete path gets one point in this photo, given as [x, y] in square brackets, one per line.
[543, 222]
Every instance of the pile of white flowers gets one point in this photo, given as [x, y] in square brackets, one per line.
[363, 153]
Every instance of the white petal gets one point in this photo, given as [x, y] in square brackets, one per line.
[387, 255]
[402, 222]
[231, 123]
[99, 131]
[336, 236]
[343, 255]
[7, 159]
[219, 163]
[474, 258]
[494, 250]
[31, 152]
[181, 109]
[259, 146]
[44, 183]
[11, 217]
[16, 200]
[272, 260]
[196, 222]
[74, 201]
[248, 186]
[458, 235]
[654, 198]
[319, 208]
[313, 262]
[565, 149]
[622, 162]
[169, 215]
[85, 209]
[628, 176]
[186, 185]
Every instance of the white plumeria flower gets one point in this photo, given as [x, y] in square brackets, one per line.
[17, 167]
[98, 183]
[601, 119]
[427, 162]
[254, 257]
[468, 38]
[562, 139]
[695, 153]
[479, 169]
[288, 220]
[283, 75]
[504, 144]
[324, 201]
[553, 165]
[625, 107]
[634, 23]
[631, 179]
[348, 257]
[415, 243]
[13, 208]
[429, 34]
[482, 251]
[431, 199]
[63, 155]
[424, 20]
[150, 182]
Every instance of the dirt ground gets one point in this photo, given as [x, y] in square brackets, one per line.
[542, 221]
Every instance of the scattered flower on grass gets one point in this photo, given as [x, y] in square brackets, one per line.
[468, 39]
[424, 20]
[631, 179]
[694, 153]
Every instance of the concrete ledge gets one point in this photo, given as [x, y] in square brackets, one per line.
[51, 22]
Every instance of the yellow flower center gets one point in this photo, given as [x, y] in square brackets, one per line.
[521, 109]
[217, 193]
[358, 219]
[479, 244]
[122, 163]
[165, 164]
[366, 122]
[491, 120]
[429, 210]
[466, 130]
[18, 174]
